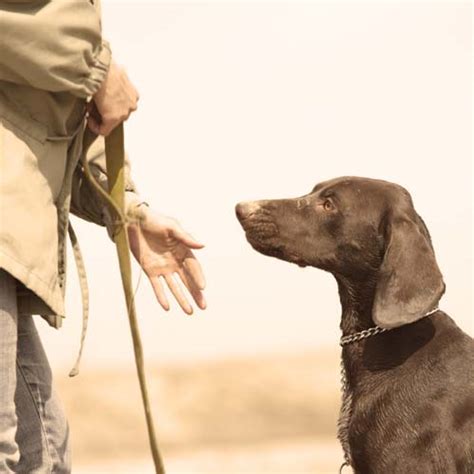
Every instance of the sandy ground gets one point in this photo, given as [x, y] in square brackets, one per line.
[285, 457]
[272, 414]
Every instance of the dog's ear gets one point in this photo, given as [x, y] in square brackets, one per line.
[410, 283]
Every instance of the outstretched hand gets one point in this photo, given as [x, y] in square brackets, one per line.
[164, 251]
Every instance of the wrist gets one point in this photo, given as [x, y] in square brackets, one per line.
[99, 71]
[136, 208]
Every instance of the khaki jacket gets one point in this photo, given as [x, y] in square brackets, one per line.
[52, 60]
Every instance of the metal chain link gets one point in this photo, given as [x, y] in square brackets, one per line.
[361, 335]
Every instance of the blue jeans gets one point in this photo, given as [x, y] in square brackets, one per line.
[34, 433]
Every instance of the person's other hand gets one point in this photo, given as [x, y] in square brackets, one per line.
[113, 103]
[164, 251]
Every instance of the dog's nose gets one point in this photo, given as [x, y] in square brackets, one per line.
[245, 209]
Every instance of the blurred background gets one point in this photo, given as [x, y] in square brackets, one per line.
[250, 100]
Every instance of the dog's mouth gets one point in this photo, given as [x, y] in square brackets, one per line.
[263, 235]
[260, 230]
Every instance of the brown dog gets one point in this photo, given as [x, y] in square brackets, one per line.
[411, 388]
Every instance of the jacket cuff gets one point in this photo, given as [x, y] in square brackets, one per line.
[99, 70]
[133, 210]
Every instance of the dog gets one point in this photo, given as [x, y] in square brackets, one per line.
[410, 381]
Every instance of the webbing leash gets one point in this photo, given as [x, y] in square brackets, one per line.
[115, 159]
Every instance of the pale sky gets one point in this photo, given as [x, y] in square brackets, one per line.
[251, 100]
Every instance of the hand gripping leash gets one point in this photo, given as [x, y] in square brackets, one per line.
[115, 159]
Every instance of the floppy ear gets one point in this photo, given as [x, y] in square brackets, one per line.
[410, 283]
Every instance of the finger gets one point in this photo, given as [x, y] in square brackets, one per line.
[93, 111]
[105, 129]
[178, 294]
[107, 126]
[194, 270]
[134, 95]
[137, 94]
[93, 124]
[126, 116]
[190, 284]
[179, 234]
[160, 292]
[130, 84]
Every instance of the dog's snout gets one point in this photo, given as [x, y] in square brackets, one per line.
[245, 209]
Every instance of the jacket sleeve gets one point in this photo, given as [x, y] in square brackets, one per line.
[86, 202]
[53, 45]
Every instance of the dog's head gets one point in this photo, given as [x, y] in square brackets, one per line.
[357, 228]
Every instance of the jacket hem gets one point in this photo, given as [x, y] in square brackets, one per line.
[52, 308]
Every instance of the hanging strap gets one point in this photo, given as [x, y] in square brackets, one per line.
[81, 273]
[115, 200]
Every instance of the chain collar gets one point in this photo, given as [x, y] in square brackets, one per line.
[358, 336]
[346, 407]
[361, 335]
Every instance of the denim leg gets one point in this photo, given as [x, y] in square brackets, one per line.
[9, 453]
[43, 431]
[34, 433]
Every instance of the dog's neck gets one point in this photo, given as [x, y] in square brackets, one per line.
[357, 299]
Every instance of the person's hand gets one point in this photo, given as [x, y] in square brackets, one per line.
[163, 250]
[113, 103]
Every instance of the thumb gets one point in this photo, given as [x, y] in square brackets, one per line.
[93, 124]
[185, 238]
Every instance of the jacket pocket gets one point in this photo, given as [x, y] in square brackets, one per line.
[22, 126]
[42, 155]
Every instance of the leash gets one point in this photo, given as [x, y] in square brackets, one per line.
[115, 158]
[115, 200]
[345, 413]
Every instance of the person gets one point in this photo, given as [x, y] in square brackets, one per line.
[57, 80]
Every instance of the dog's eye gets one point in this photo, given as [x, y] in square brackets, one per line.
[328, 205]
